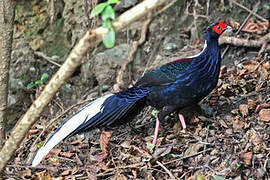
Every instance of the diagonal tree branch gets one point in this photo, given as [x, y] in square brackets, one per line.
[88, 41]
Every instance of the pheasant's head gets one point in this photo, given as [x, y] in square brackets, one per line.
[216, 29]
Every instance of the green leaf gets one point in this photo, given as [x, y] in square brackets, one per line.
[108, 13]
[40, 144]
[107, 24]
[43, 77]
[30, 85]
[154, 112]
[37, 82]
[150, 146]
[113, 1]
[175, 155]
[267, 6]
[218, 177]
[238, 165]
[98, 9]
[109, 38]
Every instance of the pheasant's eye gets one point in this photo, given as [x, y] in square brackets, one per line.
[218, 27]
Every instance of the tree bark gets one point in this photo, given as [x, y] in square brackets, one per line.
[88, 41]
[7, 12]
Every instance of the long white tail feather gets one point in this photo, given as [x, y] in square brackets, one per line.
[86, 113]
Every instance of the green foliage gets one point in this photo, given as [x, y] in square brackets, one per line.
[237, 165]
[107, 15]
[98, 9]
[267, 6]
[37, 82]
[109, 38]
[150, 146]
[154, 112]
[218, 177]
[40, 144]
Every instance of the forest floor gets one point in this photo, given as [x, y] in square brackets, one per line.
[227, 137]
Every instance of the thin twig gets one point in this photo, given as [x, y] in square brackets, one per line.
[44, 56]
[207, 7]
[167, 6]
[250, 11]
[240, 28]
[185, 157]
[167, 170]
[137, 165]
[135, 44]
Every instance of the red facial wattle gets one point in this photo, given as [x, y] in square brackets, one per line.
[219, 27]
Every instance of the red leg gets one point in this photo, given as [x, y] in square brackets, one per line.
[156, 131]
[182, 120]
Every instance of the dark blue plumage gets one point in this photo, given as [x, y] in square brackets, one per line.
[168, 88]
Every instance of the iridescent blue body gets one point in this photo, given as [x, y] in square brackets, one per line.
[169, 88]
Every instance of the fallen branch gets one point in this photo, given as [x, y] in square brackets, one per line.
[247, 42]
[47, 58]
[88, 41]
[237, 32]
[167, 170]
[248, 10]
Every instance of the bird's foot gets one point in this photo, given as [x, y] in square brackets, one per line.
[156, 131]
[183, 123]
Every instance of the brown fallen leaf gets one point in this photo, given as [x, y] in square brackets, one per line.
[65, 173]
[26, 173]
[66, 154]
[251, 104]
[104, 141]
[76, 142]
[31, 132]
[223, 71]
[250, 65]
[257, 26]
[79, 162]
[238, 125]
[196, 42]
[266, 65]
[43, 175]
[265, 115]
[243, 109]
[247, 158]
[255, 138]
[234, 24]
[55, 151]
[262, 106]
[198, 128]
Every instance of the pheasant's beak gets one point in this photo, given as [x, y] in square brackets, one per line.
[227, 28]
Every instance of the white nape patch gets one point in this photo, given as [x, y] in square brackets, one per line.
[196, 55]
[88, 111]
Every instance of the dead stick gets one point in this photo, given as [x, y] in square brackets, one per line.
[245, 8]
[167, 170]
[240, 28]
[119, 79]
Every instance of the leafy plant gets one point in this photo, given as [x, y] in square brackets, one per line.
[154, 112]
[267, 6]
[37, 82]
[218, 177]
[107, 15]
[150, 146]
